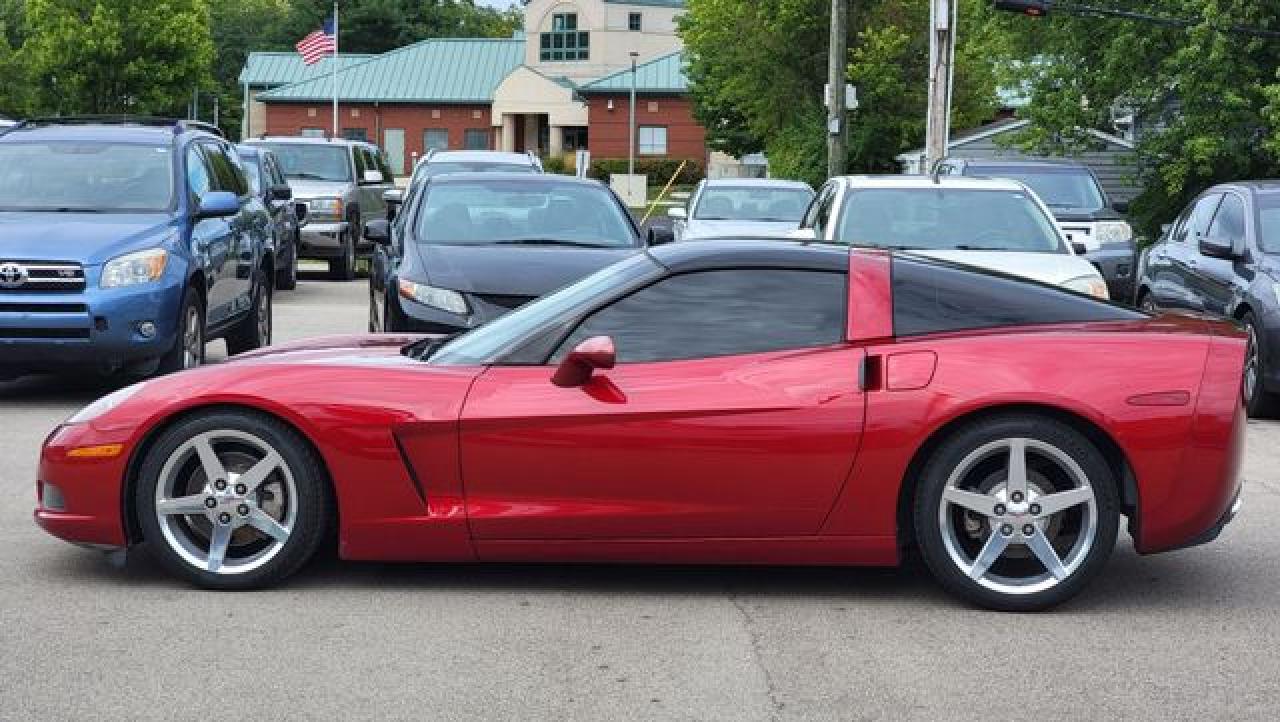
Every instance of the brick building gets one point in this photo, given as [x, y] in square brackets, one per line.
[562, 85]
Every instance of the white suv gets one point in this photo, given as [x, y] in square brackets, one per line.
[992, 223]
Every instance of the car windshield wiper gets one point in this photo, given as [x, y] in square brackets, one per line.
[548, 242]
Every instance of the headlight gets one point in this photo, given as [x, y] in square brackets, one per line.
[105, 404]
[134, 268]
[1092, 285]
[327, 207]
[1113, 232]
[440, 298]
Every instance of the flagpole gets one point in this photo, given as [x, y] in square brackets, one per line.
[335, 69]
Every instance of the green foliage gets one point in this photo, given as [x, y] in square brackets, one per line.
[124, 56]
[757, 72]
[659, 170]
[555, 164]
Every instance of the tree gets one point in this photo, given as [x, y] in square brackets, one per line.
[757, 71]
[123, 56]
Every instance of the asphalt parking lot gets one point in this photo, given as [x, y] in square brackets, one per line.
[1187, 635]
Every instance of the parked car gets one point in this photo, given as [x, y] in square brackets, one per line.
[1079, 205]
[440, 162]
[342, 183]
[126, 245]
[469, 247]
[742, 402]
[741, 207]
[267, 181]
[1222, 257]
[993, 223]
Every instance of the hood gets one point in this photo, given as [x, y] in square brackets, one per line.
[87, 238]
[1084, 215]
[307, 189]
[511, 270]
[723, 229]
[1055, 268]
[329, 348]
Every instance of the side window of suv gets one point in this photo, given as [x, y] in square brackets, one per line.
[199, 179]
[1228, 223]
[1198, 220]
[227, 176]
[362, 162]
[722, 313]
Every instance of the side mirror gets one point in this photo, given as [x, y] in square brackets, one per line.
[217, 204]
[372, 177]
[1217, 247]
[1079, 248]
[677, 212]
[576, 368]
[659, 236]
[378, 231]
[803, 234]
[281, 192]
[1120, 206]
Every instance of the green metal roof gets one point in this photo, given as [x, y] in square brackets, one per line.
[441, 70]
[650, 3]
[273, 69]
[660, 75]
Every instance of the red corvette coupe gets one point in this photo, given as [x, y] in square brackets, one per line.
[713, 402]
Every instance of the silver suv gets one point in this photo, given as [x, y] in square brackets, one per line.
[342, 182]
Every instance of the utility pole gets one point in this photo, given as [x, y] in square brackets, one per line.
[942, 38]
[837, 61]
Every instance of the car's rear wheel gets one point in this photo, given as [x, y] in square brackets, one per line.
[1258, 402]
[343, 268]
[254, 331]
[232, 500]
[188, 346]
[1016, 512]
[287, 277]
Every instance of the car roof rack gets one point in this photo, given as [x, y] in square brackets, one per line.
[178, 124]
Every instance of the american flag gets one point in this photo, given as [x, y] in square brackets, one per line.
[319, 44]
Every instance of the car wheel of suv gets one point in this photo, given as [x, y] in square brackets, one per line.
[343, 268]
[1147, 302]
[188, 347]
[287, 277]
[1016, 513]
[1258, 402]
[232, 500]
[254, 331]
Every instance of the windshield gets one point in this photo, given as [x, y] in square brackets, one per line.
[516, 212]
[1269, 222]
[752, 204]
[313, 161]
[941, 218]
[431, 170]
[486, 343]
[1066, 188]
[93, 177]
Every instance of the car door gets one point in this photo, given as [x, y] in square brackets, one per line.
[733, 411]
[282, 213]
[213, 240]
[372, 204]
[249, 229]
[1215, 278]
[1178, 289]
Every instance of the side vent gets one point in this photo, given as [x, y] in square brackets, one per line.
[413, 473]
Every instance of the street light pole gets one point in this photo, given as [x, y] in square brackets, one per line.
[942, 37]
[837, 146]
[631, 122]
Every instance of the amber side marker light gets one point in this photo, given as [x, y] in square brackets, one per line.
[102, 451]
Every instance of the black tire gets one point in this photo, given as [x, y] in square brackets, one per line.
[1258, 402]
[312, 502]
[941, 543]
[343, 268]
[254, 331]
[373, 311]
[287, 277]
[1147, 302]
[190, 321]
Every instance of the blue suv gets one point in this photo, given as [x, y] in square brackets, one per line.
[126, 244]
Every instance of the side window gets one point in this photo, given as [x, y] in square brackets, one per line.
[722, 313]
[362, 161]
[199, 179]
[1228, 224]
[226, 175]
[277, 176]
[1201, 214]
[380, 160]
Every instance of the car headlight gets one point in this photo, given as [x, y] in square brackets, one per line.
[441, 298]
[1092, 285]
[105, 404]
[325, 207]
[1113, 232]
[134, 268]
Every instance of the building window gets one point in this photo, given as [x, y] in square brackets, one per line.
[355, 134]
[436, 138]
[313, 132]
[564, 42]
[575, 137]
[653, 140]
[476, 139]
[633, 22]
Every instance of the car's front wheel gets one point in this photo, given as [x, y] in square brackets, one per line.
[188, 345]
[254, 331]
[232, 500]
[1258, 402]
[1016, 512]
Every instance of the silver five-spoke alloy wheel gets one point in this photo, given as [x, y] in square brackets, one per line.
[1018, 516]
[226, 502]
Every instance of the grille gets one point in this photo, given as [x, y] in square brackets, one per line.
[507, 302]
[40, 276]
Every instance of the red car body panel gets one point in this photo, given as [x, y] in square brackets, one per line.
[790, 457]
